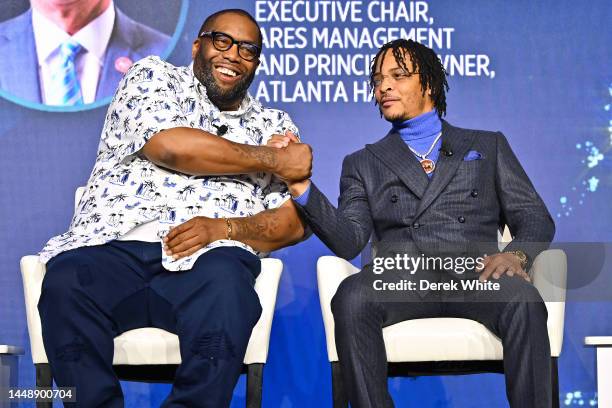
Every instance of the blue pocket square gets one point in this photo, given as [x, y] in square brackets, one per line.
[472, 155]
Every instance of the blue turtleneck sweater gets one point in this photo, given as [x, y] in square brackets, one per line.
[418, 133]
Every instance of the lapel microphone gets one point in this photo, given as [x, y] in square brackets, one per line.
[445, 149]
[221, 130]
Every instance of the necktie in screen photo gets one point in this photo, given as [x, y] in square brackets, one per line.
[65, 86]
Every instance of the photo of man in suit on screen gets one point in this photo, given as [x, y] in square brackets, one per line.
[428, 184]
[70, 53]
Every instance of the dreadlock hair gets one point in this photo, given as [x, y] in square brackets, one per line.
[211, 19]
[424, 61]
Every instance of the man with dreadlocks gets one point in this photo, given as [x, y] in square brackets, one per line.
[422, 189]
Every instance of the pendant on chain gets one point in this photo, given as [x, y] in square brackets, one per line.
[428, 165]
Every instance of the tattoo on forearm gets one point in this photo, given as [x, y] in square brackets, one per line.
[261, 227]
[260, 154]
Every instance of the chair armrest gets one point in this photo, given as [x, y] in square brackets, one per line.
[548, 272]
[331, 270]
[266, 287]
[32, 273]
[7, 350]
[549, 276]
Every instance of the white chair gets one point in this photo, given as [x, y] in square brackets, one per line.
[151, 354]
[441, 346]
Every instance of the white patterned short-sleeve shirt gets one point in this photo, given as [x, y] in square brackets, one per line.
[126, 191]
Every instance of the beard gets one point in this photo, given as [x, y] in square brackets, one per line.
[202, 70]
[391, 117]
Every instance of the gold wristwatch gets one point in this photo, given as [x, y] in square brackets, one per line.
[521, 256]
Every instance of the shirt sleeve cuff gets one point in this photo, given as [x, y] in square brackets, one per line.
[303, 198]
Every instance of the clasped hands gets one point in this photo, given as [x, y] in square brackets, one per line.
[294, 166]
[292, 163]
[303, 162]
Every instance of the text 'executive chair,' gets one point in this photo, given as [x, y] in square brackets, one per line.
[446, 346]
[150, 354]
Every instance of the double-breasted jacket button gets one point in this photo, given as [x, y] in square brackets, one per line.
[416, 225]
[474, 193]
[461, 219]
[394, 198]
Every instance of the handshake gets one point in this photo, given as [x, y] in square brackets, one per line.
[293, 163]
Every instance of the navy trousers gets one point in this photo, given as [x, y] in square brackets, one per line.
[516, 314]
[90, 295]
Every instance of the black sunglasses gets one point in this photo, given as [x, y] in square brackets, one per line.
[223, 42]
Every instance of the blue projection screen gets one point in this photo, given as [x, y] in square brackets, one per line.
[539, 71]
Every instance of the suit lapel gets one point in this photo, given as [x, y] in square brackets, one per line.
[457, 142]
[120, 45]
[396, 155]
[21, 79]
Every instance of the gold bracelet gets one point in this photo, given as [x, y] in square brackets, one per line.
[229, 228]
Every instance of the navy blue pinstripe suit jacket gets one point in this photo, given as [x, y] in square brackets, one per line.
[385, 194]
